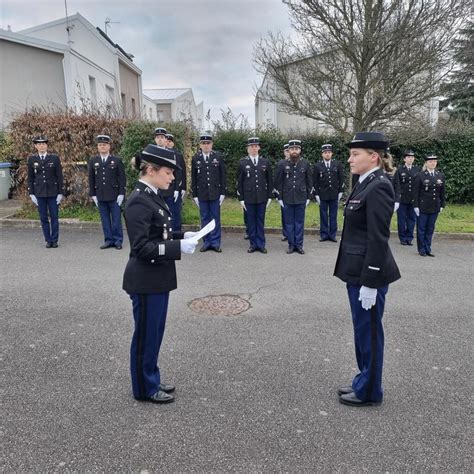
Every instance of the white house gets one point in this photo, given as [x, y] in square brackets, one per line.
[77, 66]
[174, 105]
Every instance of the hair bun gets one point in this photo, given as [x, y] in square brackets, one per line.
[136, 161]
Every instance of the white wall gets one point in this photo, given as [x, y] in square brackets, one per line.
[149, 109]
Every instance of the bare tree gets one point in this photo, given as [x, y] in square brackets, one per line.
[359, 64]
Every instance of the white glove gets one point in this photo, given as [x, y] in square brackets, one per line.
[318, 200]
[96, 202]
[59, 198]
[441, 209]
[396, 206]
[176, 195]
[281, 203]
[221, 199]
[242, 203]
[367, 297]
[183, 193]
[307, 202]
[268, 203]
[33, 198]
[120, 199]
[189, 234]
[196, 201]
[188, 245]
[417, 211]
[339, 196]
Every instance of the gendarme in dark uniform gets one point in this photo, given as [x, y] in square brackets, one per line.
[175, 193]
[208, 184]
[45, 187]
[328, 184]
[254, 191]
[294, 185]
[107, 184]
[365, 263]
[429, 200]
[406, 218]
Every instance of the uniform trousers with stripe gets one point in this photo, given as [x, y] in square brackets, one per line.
[50, 229]
[406, 219]
[425, 229]
[211, 210]
[256, 224]
[369, 344]
[175, 208]
[328, 218]
[294, 224]
[111, 219]
[149, 314]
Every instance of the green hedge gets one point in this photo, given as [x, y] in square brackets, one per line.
[455, 149]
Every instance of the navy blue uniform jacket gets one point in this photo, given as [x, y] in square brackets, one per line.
[364, 255]
[45, 177]
[154, 246]
[107, 181]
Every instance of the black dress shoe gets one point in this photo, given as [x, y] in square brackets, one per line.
[323, 240]
[217, 249]
[403, 243]
[264, 250]
[118, 247]
[106, 246]
[352, 400]
[290, 250]
[251, 250]
[344, 390]
[430, 254]
[55, 245]
[410, 244]
[422, 254]
[49, 245]
[167, 388]
[284, 239]
[161, 397]
[204, 249]
[332, 240]
[300, 250]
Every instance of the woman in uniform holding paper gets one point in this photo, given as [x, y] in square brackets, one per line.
[150, 274]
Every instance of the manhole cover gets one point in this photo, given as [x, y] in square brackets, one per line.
[222, 305]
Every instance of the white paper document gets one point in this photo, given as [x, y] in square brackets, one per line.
[205, 230]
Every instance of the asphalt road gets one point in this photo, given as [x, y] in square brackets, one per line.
[256, 391]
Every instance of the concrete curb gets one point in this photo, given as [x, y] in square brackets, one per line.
[77, 224]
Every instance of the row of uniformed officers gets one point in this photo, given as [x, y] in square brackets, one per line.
[419, 193]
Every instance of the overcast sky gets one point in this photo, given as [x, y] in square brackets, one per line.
[203, 44]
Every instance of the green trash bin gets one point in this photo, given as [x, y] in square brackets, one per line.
[5, 180]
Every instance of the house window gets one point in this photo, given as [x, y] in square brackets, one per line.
[109, 93]
[93, 91]
[133, 107]
[151, 113]
[124, 105]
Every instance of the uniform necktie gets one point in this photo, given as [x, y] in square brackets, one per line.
[42, 157]
[328, 165]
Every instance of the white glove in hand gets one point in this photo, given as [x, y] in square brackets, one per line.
[417, 211]
[281, 203]
[396, 206]
[189, 234]
[196, 201]
[59, 198]
[176, 195]
[120, 199]
[268, 203]
[221, 199]
[367, 297]
[242, 203]
[183, 193]
[96, 202]
[318, 200]
[188, 245]
[33, 198]
[307, 202]
[339, 196]
[441, 209]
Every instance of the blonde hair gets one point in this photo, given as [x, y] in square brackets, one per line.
[385, 160]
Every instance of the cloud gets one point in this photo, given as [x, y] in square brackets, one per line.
[206, 45]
